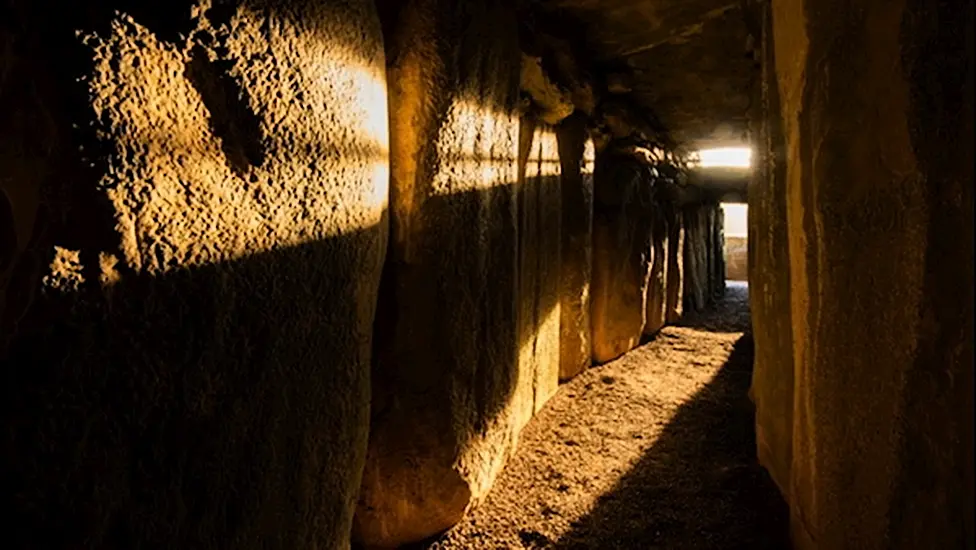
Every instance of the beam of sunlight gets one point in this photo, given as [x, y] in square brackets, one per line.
[544, 157]
[736, 220]
[181, 200]
[477, 147]
[589, 157]
[725, 157]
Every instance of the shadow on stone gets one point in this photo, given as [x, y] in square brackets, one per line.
[700, 485]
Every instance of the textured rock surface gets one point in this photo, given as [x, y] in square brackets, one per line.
[688, 60]
[620, 258]
[736, 258]
[675, 278]
[769, 277]
[576, 157]
[716, 252]
[539, 243]
[445, 396]
[876, 107]
[655, 293]
[704, 272]
[695, 260]
[200, 226]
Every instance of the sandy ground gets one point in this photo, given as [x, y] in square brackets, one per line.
[653, 450]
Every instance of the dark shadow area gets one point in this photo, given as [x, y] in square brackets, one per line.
[217, 406]
[224, 405]
[700, 486]
[729, 314]
[227, 101]
[467, 282]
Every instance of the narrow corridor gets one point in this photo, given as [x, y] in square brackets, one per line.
[653, 450]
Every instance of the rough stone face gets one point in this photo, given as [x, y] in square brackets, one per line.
[576, 164]
[446, 378]
[655, 293]
[769, 278]
[674, 276]
[552, 102]
[716, 251]
[695, 280]
[704, 268]
[736, 258]
[875, 100]
[540, 217]
[620, 256]
[687, 59]
[190, 277]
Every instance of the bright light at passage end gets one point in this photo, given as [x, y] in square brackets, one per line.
[736, 220]
[730, 157]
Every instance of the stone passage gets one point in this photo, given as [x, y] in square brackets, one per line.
[653, 450]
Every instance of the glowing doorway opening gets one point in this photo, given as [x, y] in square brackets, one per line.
[725, 157]
[736, 241]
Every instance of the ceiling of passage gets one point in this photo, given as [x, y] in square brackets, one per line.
[689, 61]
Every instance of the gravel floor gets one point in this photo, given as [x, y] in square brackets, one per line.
[653, 450]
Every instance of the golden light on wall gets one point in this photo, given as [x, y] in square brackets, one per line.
[180, 195]
[477, 148]
[544, 157]
[589, 157]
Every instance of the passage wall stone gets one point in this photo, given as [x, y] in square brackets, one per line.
[199, 224]
[446, 394]
[620, 255]
[676, 264]
[655, 293]
[695, 258]
[736, 258]
[876, 107]
[576, 157]
[539, 200]
[769, 279]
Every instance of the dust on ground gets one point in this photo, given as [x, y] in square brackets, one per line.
[653, 450]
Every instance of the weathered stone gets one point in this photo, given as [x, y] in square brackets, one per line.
[716, 251]
[540, 217]
[576, 157]
[655, 293]
[675, 277]
[695, 283]
[200, 226]
[620, 259]
[736, 258]
[769, 278]
[877, 110]
[445, 395]
[687, 58]
[704, 276]
[554, 102]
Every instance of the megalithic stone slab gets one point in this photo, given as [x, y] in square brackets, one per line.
[446, 386]
[200, 209]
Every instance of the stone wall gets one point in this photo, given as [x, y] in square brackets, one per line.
[620, 254]
[869, 139]
[704, 272]
[539, 270]
[674, 306]
[769, 275]
[447, 370]
[655, 291]
[194, 227]
[735, 254]
[208, 339]
[576, 157]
